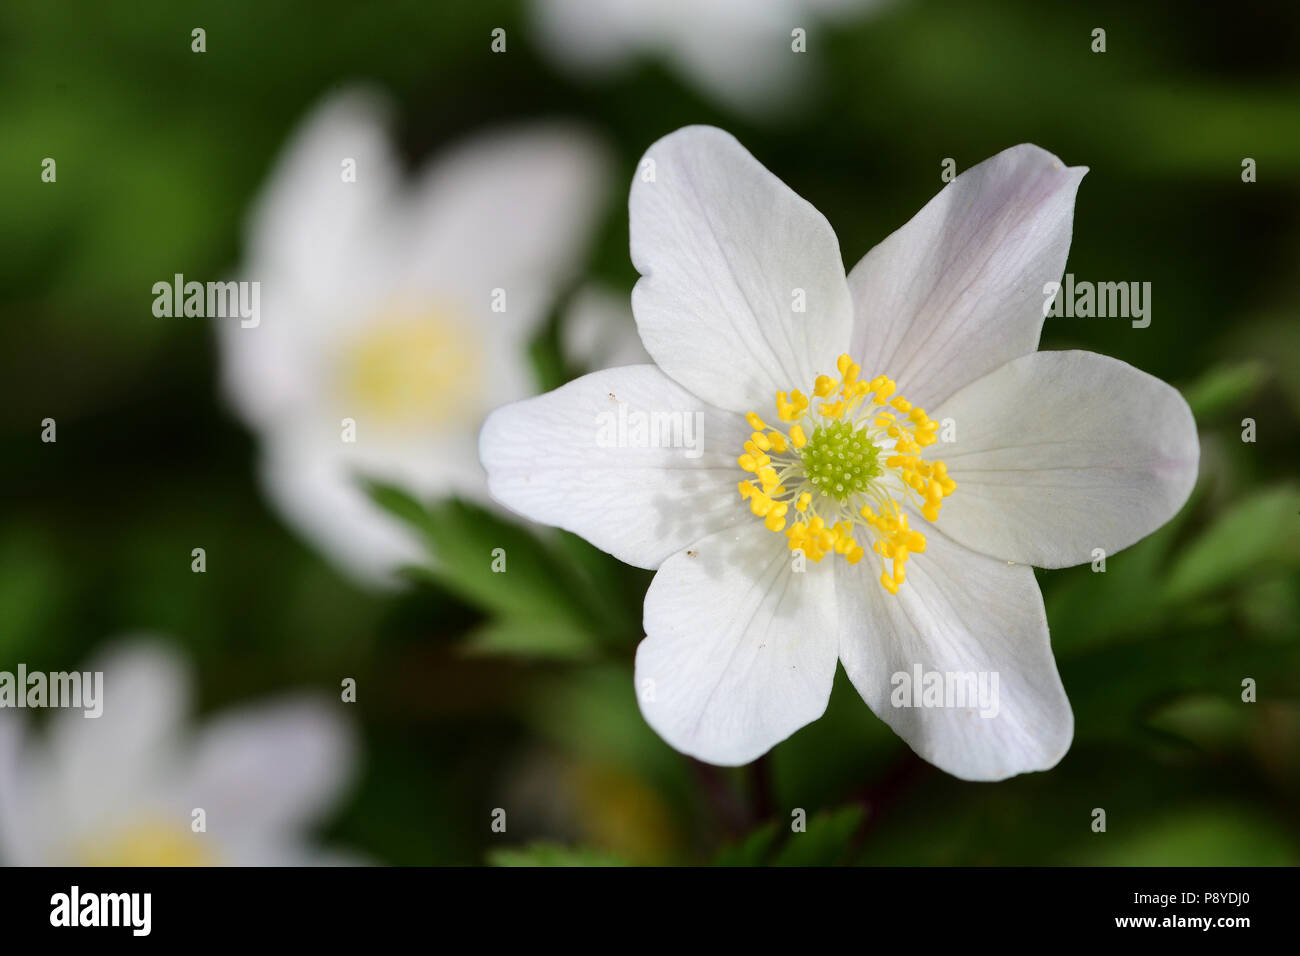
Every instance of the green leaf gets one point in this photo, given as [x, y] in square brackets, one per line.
[552, 854]
[1225, 387]
[826, 841]
[1252, 533]
[1115, 689]
[505, 570]
[399, 504]
[750, 851]
[1214, 722]
[1270, 604]
[531, 637]
[591, 711]
[537, 580]
[1201, 836]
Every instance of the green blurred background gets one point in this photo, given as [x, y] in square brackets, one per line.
[462, 709]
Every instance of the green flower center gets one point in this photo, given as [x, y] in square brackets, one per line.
[839, 460]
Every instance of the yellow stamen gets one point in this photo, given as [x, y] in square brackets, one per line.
[848, 466]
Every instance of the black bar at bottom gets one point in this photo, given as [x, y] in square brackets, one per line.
[374, 905]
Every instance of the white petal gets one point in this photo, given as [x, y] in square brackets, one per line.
[572, 458]
[958, 291]
[315, 483]
[599, 331]
[284, 851]
[283, 364]
[93, 774]
[323, 249]
[1058, 453]
[272, 768]
[117, 756]
[726, 252]
[308, 220]
[492, 230]
[510, 209]
[740, 54]
[595, 36]
[16, 837]
[740, 650]
[736, 50]
[958, 612]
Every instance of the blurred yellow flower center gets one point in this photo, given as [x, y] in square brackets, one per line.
[148, 843]
[410, 369]
[846, 467]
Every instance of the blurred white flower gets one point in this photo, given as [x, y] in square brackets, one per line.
[122, 789]
[405, 307]
[738, 51]
[599, 331]
[782, 546]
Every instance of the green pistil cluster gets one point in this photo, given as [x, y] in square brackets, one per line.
[840, 461]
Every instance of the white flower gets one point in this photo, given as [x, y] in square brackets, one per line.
[1056, 454]
[740, 51]
[403, 307]
[121, 789]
